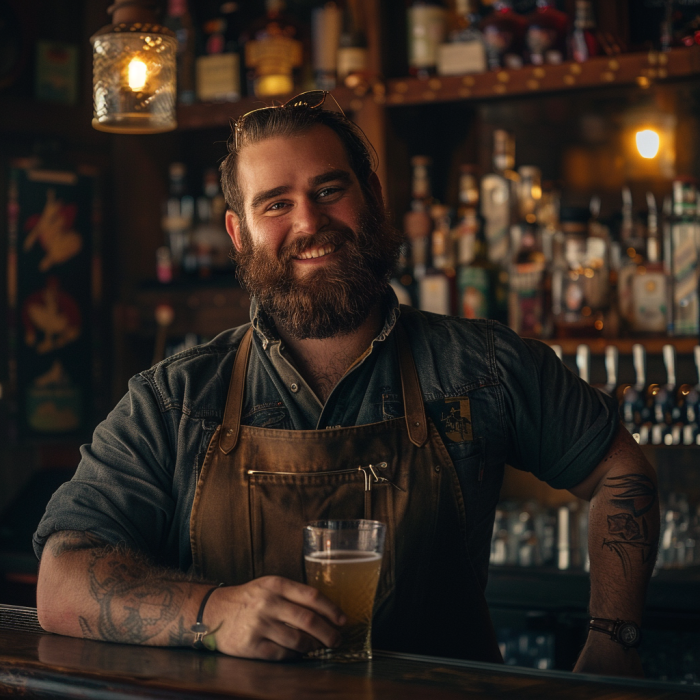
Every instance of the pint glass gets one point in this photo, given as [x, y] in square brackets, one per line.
[343, 559]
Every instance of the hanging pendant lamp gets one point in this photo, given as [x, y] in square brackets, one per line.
[134, 71]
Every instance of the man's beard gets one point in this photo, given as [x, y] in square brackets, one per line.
[335, 298]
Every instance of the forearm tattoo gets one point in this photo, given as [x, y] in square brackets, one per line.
[137, 601]
[629, 531]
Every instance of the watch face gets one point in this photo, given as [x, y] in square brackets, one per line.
[629, 634]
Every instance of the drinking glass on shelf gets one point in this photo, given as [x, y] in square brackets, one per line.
[343, 559]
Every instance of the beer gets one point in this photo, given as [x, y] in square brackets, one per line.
[349, 579]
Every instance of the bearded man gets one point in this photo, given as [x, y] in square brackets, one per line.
[208, 469]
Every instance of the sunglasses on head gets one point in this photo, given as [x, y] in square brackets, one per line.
[313, 99]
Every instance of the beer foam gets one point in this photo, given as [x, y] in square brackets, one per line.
[342, 556]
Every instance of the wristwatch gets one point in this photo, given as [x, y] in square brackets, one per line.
[623, 632]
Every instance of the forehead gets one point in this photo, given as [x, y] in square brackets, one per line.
[286, 161]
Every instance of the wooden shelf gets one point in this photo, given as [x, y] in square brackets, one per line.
[684, 346]
[208, 115]
[642, 69]
[624, 69]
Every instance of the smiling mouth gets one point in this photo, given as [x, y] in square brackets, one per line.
[317, 252]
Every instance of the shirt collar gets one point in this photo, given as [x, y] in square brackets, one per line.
[265, 327]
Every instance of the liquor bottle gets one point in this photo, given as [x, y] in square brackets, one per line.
[326, 25]
[504, 31]
[596, 269]
[498, 198]
[465, 52]
[427, 25]
[417, 221]
[177, 217]
[526, 299]
[179, 20]
[209, 234]
[219, 67]
[649, 283]
[634, 408]
[575, 282]
[631, 247]
[583, 362]
[477, 276]
[684, 259]
[666, 413]
[352, 60]
[547, 29]
[689, 406]
[437, 289]
[583, 43]
[274, 52]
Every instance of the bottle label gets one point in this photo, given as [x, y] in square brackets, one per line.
[434, 294]
[461, 57]
[218, 78]
[325, 30]
[649, 302]
[351, 59]
[426, 31]
[474, 292]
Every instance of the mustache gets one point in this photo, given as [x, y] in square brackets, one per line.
[314, 240]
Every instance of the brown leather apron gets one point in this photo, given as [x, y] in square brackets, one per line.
[259, 487]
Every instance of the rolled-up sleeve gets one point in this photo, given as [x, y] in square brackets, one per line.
[122, 489]
[559, 427]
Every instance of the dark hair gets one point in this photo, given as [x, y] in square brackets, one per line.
[289, 121]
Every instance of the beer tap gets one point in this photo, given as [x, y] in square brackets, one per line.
[612, 360]
[583, 362]
[665, 409]
[689, 406]
[634, 409]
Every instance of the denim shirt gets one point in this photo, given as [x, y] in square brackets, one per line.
[494, 397]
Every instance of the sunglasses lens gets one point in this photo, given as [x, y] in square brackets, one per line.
[311, 99]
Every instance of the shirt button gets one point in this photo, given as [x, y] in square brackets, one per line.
[294, 388]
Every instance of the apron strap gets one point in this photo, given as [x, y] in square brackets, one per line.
[413, 407]
[231, 426]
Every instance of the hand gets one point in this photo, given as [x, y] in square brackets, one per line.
[272, 618]
[602, 656]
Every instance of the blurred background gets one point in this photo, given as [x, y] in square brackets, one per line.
[540, 155]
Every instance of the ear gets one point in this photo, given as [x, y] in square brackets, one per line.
[376, 188]
[233, 228]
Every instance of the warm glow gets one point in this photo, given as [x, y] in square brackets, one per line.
[647, 143]
[137, 75]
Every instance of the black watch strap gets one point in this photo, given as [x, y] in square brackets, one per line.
[623, 632]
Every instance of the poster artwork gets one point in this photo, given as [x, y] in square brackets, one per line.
[53, 227]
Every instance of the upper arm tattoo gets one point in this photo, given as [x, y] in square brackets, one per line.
[635, 493]
[72, 541]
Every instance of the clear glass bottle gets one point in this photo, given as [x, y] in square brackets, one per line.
[498, 198]
[504, 32]
[352, 59]
[547, 29]
[649, 283]
[685, 267]
[326, 27]
[436, 289]
[583, 43]
[427, 26]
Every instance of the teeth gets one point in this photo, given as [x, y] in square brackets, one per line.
[316, 252]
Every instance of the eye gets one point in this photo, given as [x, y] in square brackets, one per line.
[327, 192]
[276, 206]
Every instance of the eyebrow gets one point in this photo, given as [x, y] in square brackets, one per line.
[337, 174]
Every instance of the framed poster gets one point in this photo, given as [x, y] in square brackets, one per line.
[53, 296]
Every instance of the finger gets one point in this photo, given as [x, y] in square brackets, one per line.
[291, 638]
[305, 620]
[309, 597]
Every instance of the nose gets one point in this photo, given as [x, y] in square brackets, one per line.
[308, 218]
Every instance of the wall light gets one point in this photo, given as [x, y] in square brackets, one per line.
[134, 71]
[647, 143]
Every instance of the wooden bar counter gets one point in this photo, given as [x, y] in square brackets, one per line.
[41, 665]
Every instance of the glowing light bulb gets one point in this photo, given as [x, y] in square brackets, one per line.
[647, 143]
[137, 74]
